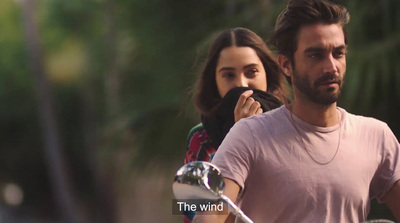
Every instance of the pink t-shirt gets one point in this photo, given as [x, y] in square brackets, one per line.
[281, 183]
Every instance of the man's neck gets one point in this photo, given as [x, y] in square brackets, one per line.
[315, 114]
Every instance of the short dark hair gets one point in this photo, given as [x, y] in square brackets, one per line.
[299, 13]
[206, 96]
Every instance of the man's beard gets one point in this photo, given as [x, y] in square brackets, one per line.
[327, 96]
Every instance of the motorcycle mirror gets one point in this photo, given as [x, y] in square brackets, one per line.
[203, 180]
[198, 180]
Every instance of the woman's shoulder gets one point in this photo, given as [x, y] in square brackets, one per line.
[199, 145]
[197, 133]
[199, 128]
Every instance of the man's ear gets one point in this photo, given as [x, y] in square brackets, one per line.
[285, 64]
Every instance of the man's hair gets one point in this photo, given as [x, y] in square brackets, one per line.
[299, 13]
[206, 96]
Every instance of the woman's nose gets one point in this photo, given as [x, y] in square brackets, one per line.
[242, 82]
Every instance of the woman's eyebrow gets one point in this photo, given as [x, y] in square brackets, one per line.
[231, 68]
[226, 69]
[250, 65]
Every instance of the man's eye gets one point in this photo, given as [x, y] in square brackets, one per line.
[315, 55]
[338, 54]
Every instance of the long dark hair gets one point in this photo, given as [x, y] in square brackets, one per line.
[206, 95]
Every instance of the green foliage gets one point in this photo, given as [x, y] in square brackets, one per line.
[163, 125]
[372, 80]
[72, 18]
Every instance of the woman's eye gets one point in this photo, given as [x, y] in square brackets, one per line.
[251, 72]
[228, 75]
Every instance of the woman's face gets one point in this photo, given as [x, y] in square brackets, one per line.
[239, 67]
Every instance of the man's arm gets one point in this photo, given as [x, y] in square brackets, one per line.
[231, 191]
[392, 200]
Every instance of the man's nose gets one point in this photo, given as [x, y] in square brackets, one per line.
[330, 65]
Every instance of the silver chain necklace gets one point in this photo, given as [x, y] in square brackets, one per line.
[305, 147]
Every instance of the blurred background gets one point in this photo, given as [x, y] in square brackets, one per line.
[95, 97]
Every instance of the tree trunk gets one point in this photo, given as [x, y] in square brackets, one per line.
[54, 158]
[103, 176]
[112, 74]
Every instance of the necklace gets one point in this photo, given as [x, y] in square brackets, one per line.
[305, 147]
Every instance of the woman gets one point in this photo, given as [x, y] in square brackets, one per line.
[237, 58]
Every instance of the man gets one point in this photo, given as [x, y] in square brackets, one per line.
[310, 161]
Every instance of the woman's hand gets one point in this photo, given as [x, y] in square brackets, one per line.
[246, 106]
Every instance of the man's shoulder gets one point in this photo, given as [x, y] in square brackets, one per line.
[271, 115]
[364, 121]
[276, 117]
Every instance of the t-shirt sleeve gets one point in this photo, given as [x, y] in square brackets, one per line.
[235, 155]
[388, 172]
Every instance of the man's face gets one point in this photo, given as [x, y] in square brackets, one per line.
[319, 63]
